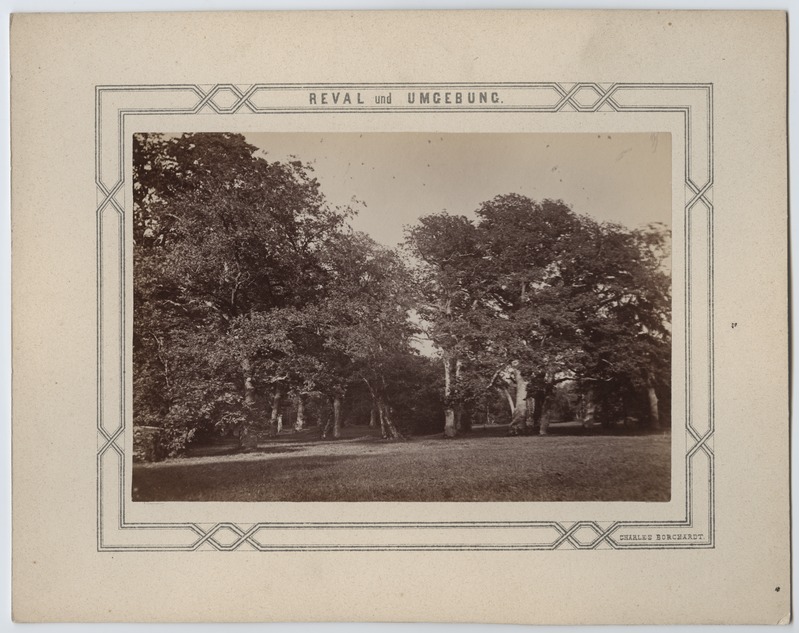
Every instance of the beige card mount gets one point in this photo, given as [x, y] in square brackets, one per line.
[675, 118]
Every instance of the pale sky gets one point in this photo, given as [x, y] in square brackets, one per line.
[623, 178]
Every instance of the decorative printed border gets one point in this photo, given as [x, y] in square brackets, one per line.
[694, 529]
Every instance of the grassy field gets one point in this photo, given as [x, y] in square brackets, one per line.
[483, 466]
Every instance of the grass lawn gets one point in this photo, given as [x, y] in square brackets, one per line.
[482, 466]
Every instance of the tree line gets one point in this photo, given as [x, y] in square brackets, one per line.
[254, 299]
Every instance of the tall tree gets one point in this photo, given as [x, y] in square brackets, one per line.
[450, 280]
[626, 327]
[366, 319]
[222, 237]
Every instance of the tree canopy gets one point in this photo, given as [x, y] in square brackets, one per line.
[532, 295]
[253, 297]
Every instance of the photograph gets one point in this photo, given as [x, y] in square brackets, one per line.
[414, 317]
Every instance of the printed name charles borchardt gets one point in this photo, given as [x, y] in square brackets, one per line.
[434, 97]
[668, 536]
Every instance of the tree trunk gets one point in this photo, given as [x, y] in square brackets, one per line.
[539, 419]
[387, 425]
[589, 407]
[519, 422]
[273, 419]
[530, 410]
[450, 425]
[373, 417]
[299, 423]
[462, 422]
[511, 403]
[450, 428]
[383, 431]
[336, 417]
[387, 428]
[248, 438]
[327, 422]
[654, 413]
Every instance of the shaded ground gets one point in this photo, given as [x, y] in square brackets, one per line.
[483, 466]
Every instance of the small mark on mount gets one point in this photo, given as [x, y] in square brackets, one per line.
[622, 153]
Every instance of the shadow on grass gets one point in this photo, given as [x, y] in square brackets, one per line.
[220, 450]
[497, 469]
[556, 429]
[250, 480]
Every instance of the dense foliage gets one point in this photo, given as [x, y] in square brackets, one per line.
[257, 307]
[532, 295]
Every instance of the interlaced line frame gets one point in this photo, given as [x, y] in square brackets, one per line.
[117, 532]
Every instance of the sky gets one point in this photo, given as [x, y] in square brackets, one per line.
[623, 178]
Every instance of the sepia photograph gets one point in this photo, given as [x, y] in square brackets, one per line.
[402, 317]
